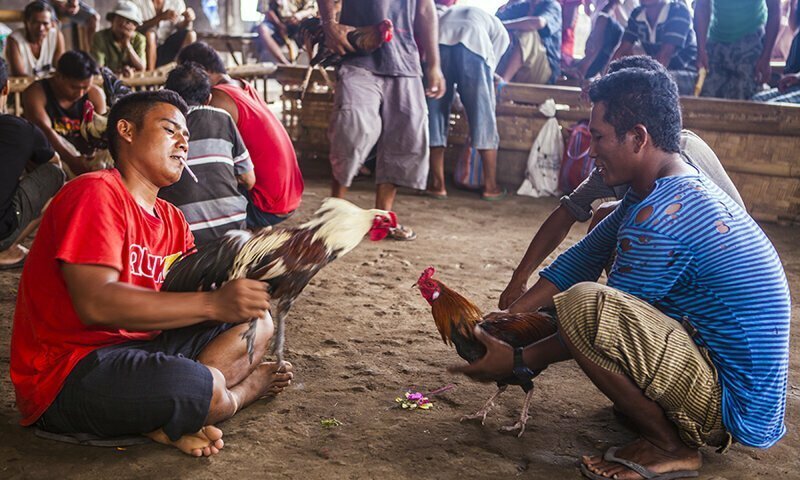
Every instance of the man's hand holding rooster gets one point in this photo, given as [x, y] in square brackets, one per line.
[336, 37]
[498, 363]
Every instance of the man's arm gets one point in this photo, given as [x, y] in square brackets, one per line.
[247, 180]
[665, 54]
[14, 56]
[702, 19]
[763, 68]
[100, 299]
[526, 24]
[625, 49]
[59, 48]
[224, 101]
[426, 31]
[97, 96]
[33, 102]
[549, 236]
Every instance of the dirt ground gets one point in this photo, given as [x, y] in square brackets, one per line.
[359, 336]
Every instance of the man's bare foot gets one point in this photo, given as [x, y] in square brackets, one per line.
[647, 455]
[271, 380]
[206, 442]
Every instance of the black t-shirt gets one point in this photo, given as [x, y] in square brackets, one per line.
[20, 142]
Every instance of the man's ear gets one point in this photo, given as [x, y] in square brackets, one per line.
[126, 130]
[639, 137]
[208, 100]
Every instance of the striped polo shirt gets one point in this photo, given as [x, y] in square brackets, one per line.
[673, 26]
[217, 155]
[693, 253]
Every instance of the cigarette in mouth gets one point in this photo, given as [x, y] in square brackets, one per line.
[191, 173]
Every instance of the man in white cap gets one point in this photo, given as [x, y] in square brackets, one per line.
[121, 48]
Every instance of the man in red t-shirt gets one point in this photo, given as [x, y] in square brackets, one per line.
[96, 348]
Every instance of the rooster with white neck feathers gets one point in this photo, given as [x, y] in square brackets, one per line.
[286, 259]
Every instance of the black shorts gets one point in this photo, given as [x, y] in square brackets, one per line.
[34, 191]
[138, 387]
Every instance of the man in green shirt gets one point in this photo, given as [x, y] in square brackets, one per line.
[121, 48]
[734, 43]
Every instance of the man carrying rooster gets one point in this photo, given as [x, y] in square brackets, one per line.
[96, 348]
[380, 97]
[689, 339]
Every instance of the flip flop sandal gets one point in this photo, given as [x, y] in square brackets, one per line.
[12, 266]
[436, 195]
[494, 198]
[610, 456]
[402, 233]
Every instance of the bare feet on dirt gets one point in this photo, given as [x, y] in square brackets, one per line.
[272, 381]
[204, 443]
[647, 455]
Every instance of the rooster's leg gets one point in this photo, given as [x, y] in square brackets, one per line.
[327, 78]
[486, 407]
[304, 85]
[278, 340]
[523, 416]
[250, 337]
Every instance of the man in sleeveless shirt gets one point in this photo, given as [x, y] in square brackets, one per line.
[34, 50]
[380, 97]
[56, 106]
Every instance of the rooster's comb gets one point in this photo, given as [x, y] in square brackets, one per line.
[426, 275]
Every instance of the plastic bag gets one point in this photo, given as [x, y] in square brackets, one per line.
[544, 161]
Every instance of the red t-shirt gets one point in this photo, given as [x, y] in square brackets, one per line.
[92, 220]
[279, 182]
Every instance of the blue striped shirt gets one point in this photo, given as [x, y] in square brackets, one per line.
[693, 253]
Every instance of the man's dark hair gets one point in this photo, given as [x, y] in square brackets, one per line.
[203, 54]
[134, 107]
[190, 81]
[634, 96]
[33, 8]
[644, 62]
[77, 65]
[3, 73]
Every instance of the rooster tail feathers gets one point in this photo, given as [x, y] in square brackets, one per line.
[208, 268]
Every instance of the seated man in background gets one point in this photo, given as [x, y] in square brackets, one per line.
[22, 195]
[56, 106]
[689, 339]
[577, 206]
[601, 44]
[168, 28]
[281, 21]
[471, 43]
[664, 30]
[121, 48]
[279, 185]
[34, 50]
[75, 13]
[535, 52]
[217, 156]
[96, 348]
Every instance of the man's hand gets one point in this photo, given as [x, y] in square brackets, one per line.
[788, 81]
[498, 363]
[169, 15]
[239, 301]
[336, 37]
[189, 15]
[763, 69]
[514, 290]
[434, 80]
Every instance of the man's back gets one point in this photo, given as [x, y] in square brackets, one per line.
[479, 31]
[279, 182]
[213, 205]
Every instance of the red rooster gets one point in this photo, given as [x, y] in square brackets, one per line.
[456, 317]
[286, 259]
[365, 40]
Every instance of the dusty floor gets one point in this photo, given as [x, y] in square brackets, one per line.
[360, 336]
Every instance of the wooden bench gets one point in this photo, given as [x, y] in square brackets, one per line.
[756, 142]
